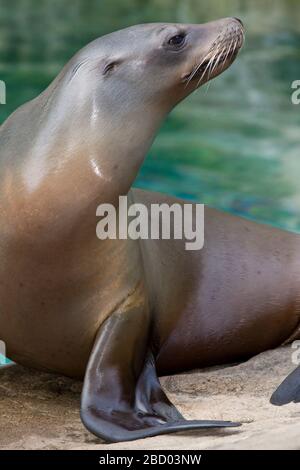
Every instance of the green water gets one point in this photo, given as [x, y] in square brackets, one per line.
[235, 147]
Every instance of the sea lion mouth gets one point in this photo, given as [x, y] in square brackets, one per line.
[220, 56]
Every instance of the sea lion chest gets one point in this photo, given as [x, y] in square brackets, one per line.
[56, 291]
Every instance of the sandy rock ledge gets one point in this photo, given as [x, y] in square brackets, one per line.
[41, 411]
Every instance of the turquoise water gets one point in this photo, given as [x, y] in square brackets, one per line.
[4, 360]
[235, 147]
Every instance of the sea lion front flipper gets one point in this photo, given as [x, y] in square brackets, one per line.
[289, 390]
[122, 398]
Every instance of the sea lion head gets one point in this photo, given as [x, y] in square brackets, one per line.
[111, 98]
[157, 64]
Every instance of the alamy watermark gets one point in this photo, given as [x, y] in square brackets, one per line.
[2, 92]
[296, 354]
[295, 97]
[2, 353]
[160, 221]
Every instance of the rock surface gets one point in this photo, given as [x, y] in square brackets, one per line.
[41, 411]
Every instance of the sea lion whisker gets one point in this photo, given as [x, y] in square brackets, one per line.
[197, 68]
[217, 61]
[199, 81]
[215, 66]
[212, 62]
[228, 50]
[217, 54]
[234, 49]
[207, 87]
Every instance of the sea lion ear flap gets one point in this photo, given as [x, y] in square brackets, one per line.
[288, 391]
[122, 398]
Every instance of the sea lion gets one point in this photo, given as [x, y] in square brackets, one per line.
[288, 391]
[121, 312]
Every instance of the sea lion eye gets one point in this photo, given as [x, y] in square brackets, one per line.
[177, 40]
[110, 67]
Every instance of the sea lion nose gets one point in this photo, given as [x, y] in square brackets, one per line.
[238, 20]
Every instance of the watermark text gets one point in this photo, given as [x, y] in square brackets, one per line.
[159, 221]
[2, 92]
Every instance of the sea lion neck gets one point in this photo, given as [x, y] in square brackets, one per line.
[91, 158]
[99, 143]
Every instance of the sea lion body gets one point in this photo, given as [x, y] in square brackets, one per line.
[224, 307]
[117, 311]
[234, 298]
